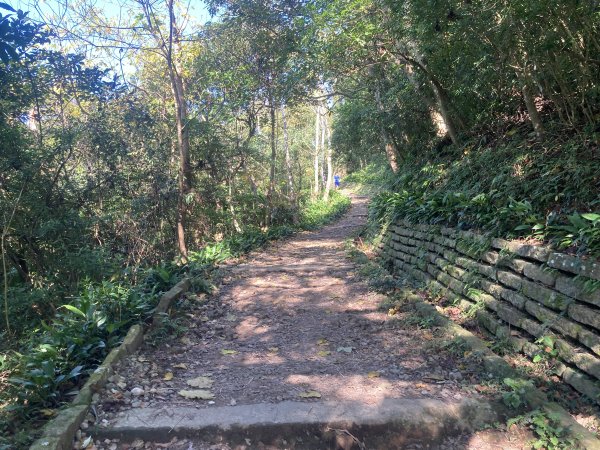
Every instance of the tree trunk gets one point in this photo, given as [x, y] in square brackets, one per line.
[444, 106]
[441, 97]
[183, 144]
[328, 159]
[183, 140]
[538, 126]
[234, 220]
[316, 162]
[288, 165]
[322, 155]
[270, 193]
[391, 150]
[437, 119]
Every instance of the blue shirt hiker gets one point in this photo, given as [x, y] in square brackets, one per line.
[336, 180]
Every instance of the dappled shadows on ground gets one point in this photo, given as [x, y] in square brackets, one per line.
[296, 324]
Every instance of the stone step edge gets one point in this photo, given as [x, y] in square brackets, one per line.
[386, 424]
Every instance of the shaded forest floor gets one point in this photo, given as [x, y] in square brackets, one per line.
[295, 322]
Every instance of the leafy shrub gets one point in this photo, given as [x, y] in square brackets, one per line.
[319, 212]
[313, 215]
[80, 336]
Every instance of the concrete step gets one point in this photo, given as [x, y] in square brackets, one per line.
[390, 424]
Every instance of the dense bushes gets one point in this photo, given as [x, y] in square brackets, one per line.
[314, 213]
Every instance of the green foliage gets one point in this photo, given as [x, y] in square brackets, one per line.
[456, 347]
[59, 353]
[314, 214]
[513, 397]
[582, 230]
[548, 349]
[518, 191]
[502, 345]
[167, 328]
[550, 434]
[375, 173]
[320, 212]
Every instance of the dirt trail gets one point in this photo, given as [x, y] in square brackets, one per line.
[294, 321]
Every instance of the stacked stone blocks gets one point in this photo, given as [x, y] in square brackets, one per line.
[519, 292]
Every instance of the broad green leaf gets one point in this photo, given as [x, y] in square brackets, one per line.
[591, 216]
[7, 7]
[75, 310]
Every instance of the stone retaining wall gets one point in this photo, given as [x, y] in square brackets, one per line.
[518, 292]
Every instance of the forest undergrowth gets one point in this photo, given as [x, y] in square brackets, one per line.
[512, 186]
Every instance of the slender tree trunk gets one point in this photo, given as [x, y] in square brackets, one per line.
[183, 144]
[436, 117]
[440, 95]
[520, 62]
[538, 126]
[322, 155]
[300, 179]
[391, 150]
[316, 161]
[288, 165]
[234, 220]
[328, 158]
[166, 44]
[444, 106]
[271, 191]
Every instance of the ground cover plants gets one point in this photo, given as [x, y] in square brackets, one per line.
[516, 188]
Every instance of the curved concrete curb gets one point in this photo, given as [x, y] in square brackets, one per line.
[58, 434]
[498, 367]
[391, 423]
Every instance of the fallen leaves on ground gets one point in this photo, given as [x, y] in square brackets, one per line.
[200, 382]
[201, 394]
[168, 376]
[273, 349]
[180, 366]
[322, 342]
[87, 442]
[226, 352]
[373, 374]
[324, 353]
[310, 394]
